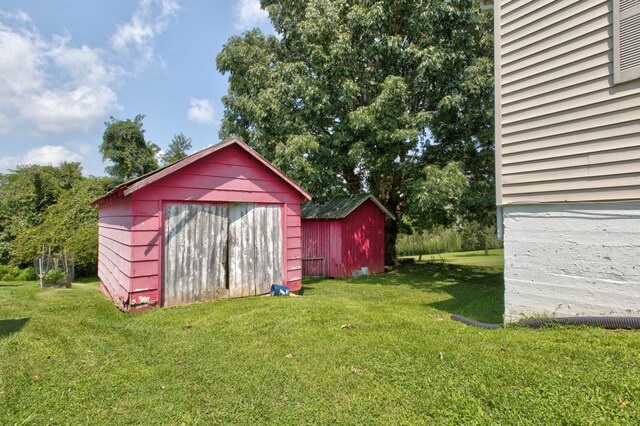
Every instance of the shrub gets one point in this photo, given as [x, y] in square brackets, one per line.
[13, 273]
[27, 274]
[55, 276]
[474, 236]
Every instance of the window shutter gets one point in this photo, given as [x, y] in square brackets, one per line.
[626, 40]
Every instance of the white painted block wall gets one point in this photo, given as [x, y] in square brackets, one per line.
[572, 259]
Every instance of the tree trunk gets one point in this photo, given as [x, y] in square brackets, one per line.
[486, 247]
[390, 237]
[353, 183]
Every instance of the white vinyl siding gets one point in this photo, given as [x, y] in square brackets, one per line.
[565, 132]
[626, 36]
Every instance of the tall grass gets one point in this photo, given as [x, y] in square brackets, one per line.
[439, 240]
[467, 237]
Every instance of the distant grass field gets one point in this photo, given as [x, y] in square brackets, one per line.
[68, 356]
[495, 258]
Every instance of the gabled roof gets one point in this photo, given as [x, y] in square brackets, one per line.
[339, 207]
[140, 182]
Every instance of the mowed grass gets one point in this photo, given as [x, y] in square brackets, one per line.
[494, 259]
[68, 356]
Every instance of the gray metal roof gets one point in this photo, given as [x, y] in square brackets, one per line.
[339, 207]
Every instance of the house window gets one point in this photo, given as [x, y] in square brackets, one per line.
[626, 40]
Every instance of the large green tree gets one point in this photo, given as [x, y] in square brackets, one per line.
[177, 149]
[361, 95]
[25, 195]
[71, 223]
[124, 145]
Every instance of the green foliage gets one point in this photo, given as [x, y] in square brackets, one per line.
[72, 224]
[362, 95]
[55, 276]
[467, 236]
[437, 197]
[177, 149]
[475, 236]
[437, 240]
[25, 195]
[49, 206]
[124, 145]
[13, 273]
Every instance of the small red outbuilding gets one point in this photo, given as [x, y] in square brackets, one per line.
[223, 222]
[343, 235]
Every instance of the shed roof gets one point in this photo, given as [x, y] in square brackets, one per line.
[339, 207]
[140, 182]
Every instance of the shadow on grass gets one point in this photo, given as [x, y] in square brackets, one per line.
[86, 280]
[9, 326]
[476, 293]
[11, 285]
[464, 255]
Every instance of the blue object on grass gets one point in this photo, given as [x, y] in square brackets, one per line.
[279, 290]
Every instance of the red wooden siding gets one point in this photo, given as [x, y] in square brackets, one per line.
[363, 239]
[134, 254]
[292, 247]
[347, 244]
[114, 249]
[322, 238]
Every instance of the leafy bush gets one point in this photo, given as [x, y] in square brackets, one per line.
[13, 273]
[55, 276]
[474, 236]
[27, 274]
[72, 224]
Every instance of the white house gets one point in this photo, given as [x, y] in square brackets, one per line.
[568, 155]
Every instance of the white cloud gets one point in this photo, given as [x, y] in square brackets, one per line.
[50, 86]
[250, 15]
[84, 149]
[135, 39]
[42, 155]
[201, 111]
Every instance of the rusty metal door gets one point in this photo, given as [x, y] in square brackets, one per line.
[195, 264]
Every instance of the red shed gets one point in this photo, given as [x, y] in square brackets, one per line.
[223, 222]
[343, 235]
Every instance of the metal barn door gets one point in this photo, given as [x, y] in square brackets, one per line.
[195, 267]
[255, 248]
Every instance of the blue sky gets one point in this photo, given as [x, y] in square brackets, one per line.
[66, 66]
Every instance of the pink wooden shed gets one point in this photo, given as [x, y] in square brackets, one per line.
[342, 235]
[223, 222]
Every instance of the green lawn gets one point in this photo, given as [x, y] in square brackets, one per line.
[473, 258]
[68, 356]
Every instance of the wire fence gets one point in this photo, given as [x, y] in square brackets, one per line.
[54, 268]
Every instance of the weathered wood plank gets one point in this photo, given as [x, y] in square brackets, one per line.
[220, 267]
[248, 252]
[268, 247]
[255, 248]
[241, 249]
[278, 263]
[261, 247]
[196, 238]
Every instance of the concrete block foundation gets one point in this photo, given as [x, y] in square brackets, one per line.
[572, 259]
